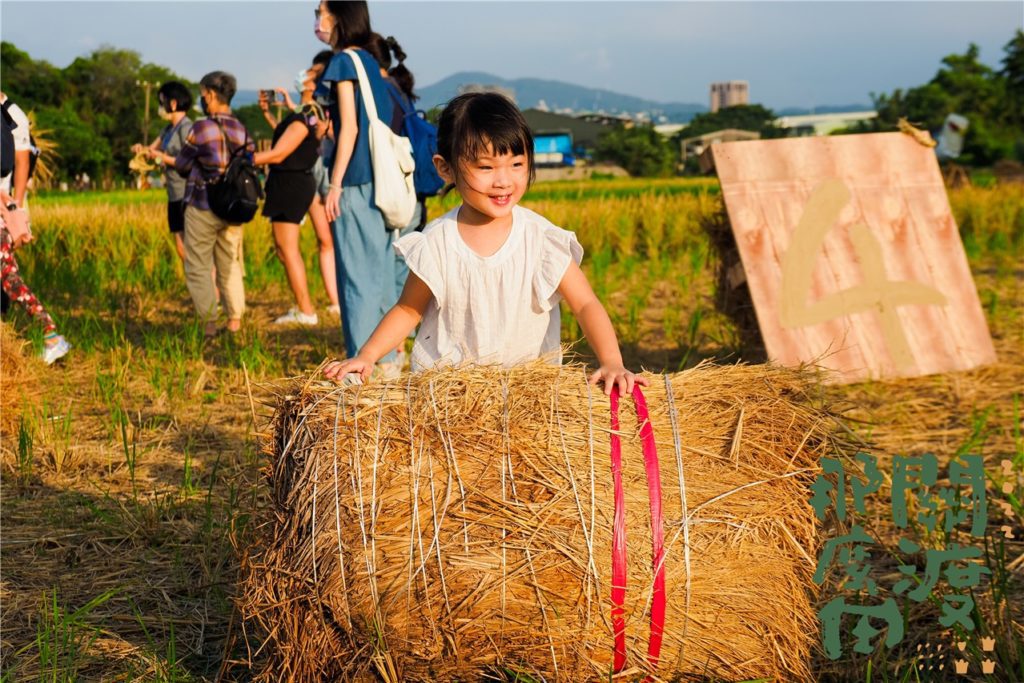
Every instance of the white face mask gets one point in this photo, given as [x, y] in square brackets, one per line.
[300, 81]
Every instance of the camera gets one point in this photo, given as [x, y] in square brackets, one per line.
[269, 95]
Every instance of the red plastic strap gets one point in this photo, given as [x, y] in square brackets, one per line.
[618, 542]
[650, 451]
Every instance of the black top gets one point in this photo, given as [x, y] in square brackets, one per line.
[305, 155]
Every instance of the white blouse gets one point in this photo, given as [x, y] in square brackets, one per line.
[497, 309]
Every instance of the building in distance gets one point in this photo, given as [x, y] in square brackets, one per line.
[729, 94]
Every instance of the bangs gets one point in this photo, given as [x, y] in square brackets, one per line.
[475, 142]
[483, 124]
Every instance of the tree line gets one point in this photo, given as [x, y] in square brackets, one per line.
[94, 108]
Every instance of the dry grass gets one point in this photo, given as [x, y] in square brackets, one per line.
[452, 524]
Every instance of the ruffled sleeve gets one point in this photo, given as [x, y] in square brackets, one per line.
[340, 68]
[416, 250]
[558, 248]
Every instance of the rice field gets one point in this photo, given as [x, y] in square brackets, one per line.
[131, 471]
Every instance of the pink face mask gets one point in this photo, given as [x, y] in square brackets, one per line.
[322, 36]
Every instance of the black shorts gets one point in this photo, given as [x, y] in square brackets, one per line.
[289, 194]
[176, 215]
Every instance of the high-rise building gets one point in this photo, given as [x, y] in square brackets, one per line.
[729, 94]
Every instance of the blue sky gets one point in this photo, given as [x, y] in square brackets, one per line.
[792, 53]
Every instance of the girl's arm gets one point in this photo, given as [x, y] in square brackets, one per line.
[289, 141]
[346, 142]
[286, 97]
[390, 331]
[597, 327]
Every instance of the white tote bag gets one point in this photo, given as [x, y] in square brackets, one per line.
[391, 158]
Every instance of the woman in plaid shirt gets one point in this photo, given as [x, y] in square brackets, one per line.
[210, 242]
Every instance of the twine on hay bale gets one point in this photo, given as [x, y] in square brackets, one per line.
[458, 525]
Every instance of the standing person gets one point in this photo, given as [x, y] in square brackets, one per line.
[14, 232]
[174, 100]
[16, 159]
[486, 278]
[210, 242]
[310, 80]
[291, 189]
[16, 184]
[362, 242]
[400, 84]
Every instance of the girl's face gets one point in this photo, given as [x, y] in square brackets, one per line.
[491, 184]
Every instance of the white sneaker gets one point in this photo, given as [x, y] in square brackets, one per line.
[296, 317]
[334, 310]
[55, 351]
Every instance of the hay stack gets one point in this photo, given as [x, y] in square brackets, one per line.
[457, 525]
[16, 378]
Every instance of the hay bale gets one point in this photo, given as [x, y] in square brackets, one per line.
[17, 377]
[458, 525]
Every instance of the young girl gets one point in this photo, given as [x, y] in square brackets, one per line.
[486, 278]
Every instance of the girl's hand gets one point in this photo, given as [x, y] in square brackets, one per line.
[332, 204]
[616, 375]
[337, 370]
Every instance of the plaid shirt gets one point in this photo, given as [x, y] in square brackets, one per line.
[204, 156]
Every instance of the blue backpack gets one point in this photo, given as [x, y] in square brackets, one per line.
[423, 136]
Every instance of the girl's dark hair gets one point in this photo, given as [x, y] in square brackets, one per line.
[403, 77]
[175, 90]
[378, 46]
[323, 58]
[382, 50]
[477, 123]
[351, 23]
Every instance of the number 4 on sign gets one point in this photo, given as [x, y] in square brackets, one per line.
[877, 293]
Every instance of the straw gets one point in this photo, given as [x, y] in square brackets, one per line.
[467, 549]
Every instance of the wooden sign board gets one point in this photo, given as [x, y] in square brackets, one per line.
[852, 256]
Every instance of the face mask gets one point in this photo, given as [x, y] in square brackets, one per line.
[162, 113]
[300, 81]
[204, 106]
[322, 36]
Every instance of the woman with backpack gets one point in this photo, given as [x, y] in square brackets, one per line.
[362, 243]
[291, 191]
[213, 232]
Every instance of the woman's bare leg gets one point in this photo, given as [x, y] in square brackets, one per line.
[286, 239]
[318, 215]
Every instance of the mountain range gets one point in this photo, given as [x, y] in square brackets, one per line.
[558, 95]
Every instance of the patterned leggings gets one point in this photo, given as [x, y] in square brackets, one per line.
[15, 287]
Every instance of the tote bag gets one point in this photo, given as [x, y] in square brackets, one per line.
[394, 191]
